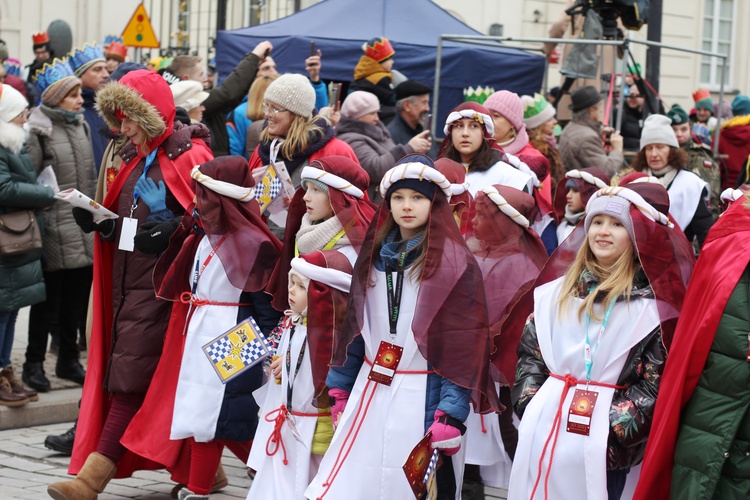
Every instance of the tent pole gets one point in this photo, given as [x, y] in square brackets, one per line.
[436, 89]
[721, 98]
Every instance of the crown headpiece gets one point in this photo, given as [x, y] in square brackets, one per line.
[83, 58]
[52, 73]
[117, 50]
[40, 38]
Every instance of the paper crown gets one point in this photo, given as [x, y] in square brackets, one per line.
[40, 38]
[117, 51]
[701, 94]
[83, 58]
[379, 49]
[534, 107]
[112, 38]
[12, 66]
[52, 73]
[478, 95]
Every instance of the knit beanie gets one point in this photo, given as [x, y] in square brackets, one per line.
[188, 94]
[614, 206]
[702, 99]
[56, 92]
[507, 104]
[12, 103]
[678, 115]
[315, 182]
[304, 279]
[537, 111]
[293, 93]
[379, 49]
[657, 129]
[358, 104]
[741, 105]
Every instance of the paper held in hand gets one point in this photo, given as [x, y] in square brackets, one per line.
[236, 350]
[47, 177]
[78, 199]
[273, 188]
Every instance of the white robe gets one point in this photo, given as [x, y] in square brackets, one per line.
[273, 479]
[200, 393]
[394, 421]
[500, 173]
[580, 462]
[685, 192]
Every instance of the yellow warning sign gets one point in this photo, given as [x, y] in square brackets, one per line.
[139, 32]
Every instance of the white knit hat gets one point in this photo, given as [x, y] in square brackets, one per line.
[188, 94]
[293, 93]
[12, 103]
[657, 129]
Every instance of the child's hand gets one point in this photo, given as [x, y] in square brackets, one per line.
[276, 368]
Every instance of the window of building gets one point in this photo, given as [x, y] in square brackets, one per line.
[718, 33]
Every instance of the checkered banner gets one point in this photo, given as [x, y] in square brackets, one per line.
[273, 181]
[236, 350]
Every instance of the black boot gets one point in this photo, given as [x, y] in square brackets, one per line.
[70, 370]
[62, 443]
[33, 376]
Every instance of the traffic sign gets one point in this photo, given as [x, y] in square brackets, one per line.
[139, 32]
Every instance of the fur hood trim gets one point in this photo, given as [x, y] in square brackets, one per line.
[12, 137]
[116, 96]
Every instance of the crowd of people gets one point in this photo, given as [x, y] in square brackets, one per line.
[462, 303]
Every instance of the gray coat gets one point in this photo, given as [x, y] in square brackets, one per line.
[67, 147]
[580, 147]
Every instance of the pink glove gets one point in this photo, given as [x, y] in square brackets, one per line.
[340, 398]
[445, 436]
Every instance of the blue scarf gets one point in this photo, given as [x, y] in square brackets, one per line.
[392, 248]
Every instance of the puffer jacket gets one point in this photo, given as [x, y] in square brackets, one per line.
[374, 147]
[22, 283]
[632, 409]
[713, 443]
[67, 147]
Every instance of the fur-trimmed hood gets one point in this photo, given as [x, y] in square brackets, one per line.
[12, 137]
[144, 97]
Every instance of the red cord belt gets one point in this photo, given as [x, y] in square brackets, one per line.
[278, 417]
[189, 298]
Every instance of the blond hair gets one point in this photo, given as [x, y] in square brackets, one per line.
[255, 96]
[297, 137]
[616, 281]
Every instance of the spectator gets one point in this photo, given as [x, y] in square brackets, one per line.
[185, 68]
[10, 72]
[704, 123]
[361, 128]
[632, 119]
[701, 159]
[42, 54]
[22, 284]
[660, 156]
[734, 144]
[373, 74]
[189, 95]
[540, 121]
[128, 323]
[255, 112]
[89, 65]
[115, 55]
[581, 142]
[60, 138]
[211, 75]
[412, 109]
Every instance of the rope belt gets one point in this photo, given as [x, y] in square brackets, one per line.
[189, 298]
[554, 432]
[406, 372]
[278, 417]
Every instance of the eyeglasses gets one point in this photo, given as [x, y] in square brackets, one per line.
[267, 109]
[634, 96]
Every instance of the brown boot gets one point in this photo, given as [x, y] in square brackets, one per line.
[90, 481]
[8, 397]
[17, 386]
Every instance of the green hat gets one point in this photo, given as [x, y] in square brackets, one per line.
[537, 111]
[678, 115]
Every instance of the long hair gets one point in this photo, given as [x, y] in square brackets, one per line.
[301, 133]
[255, 96]
[677, 159]
[615, 281]
[483, 159]
[415, 273]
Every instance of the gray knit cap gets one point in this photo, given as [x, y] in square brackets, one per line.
[614, 206]
[315, 182]
[292, 92]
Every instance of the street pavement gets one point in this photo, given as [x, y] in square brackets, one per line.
[27, 467]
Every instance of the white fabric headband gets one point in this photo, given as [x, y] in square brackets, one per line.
[418, 171]
[482, 118]
[645, 207]
[227, 189]
[333, 180]
[457, 189]
[649, 179]
[330, 277]
[730, 195]
[505, 207]
[515, 161]
[587, 177]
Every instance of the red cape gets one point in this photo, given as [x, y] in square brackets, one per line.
[95, 402]
[723, 259]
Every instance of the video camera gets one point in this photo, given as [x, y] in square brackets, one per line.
[632, 13]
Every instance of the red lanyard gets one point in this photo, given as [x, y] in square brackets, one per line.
[197, 274]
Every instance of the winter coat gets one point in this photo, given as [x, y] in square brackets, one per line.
[370, 76]
[22, 283]
[581, 147]
[713, 443]
[374, 147]
[96, 125]
[734, 142]
[702, 163]
[631, 409]
[401, 133]
[67, 147]
[632, 124]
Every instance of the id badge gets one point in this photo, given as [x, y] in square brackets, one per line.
[127, 234]
[385, 364]
[581, 409]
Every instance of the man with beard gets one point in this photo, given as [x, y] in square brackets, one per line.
[412, 107]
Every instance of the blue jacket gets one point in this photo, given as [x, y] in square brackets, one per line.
[237, 124]
[96, 124]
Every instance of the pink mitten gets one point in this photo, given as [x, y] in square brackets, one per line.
[340, 398]
[445, 436]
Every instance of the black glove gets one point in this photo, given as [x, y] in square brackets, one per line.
[85, 221]
[153, 237]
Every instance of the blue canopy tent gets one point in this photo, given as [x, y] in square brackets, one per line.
[340, 27]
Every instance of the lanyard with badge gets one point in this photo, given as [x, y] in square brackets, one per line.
[130, 224]
[389, 354]
[584, 400]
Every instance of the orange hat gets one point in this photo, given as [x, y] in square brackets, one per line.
[116, 51]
